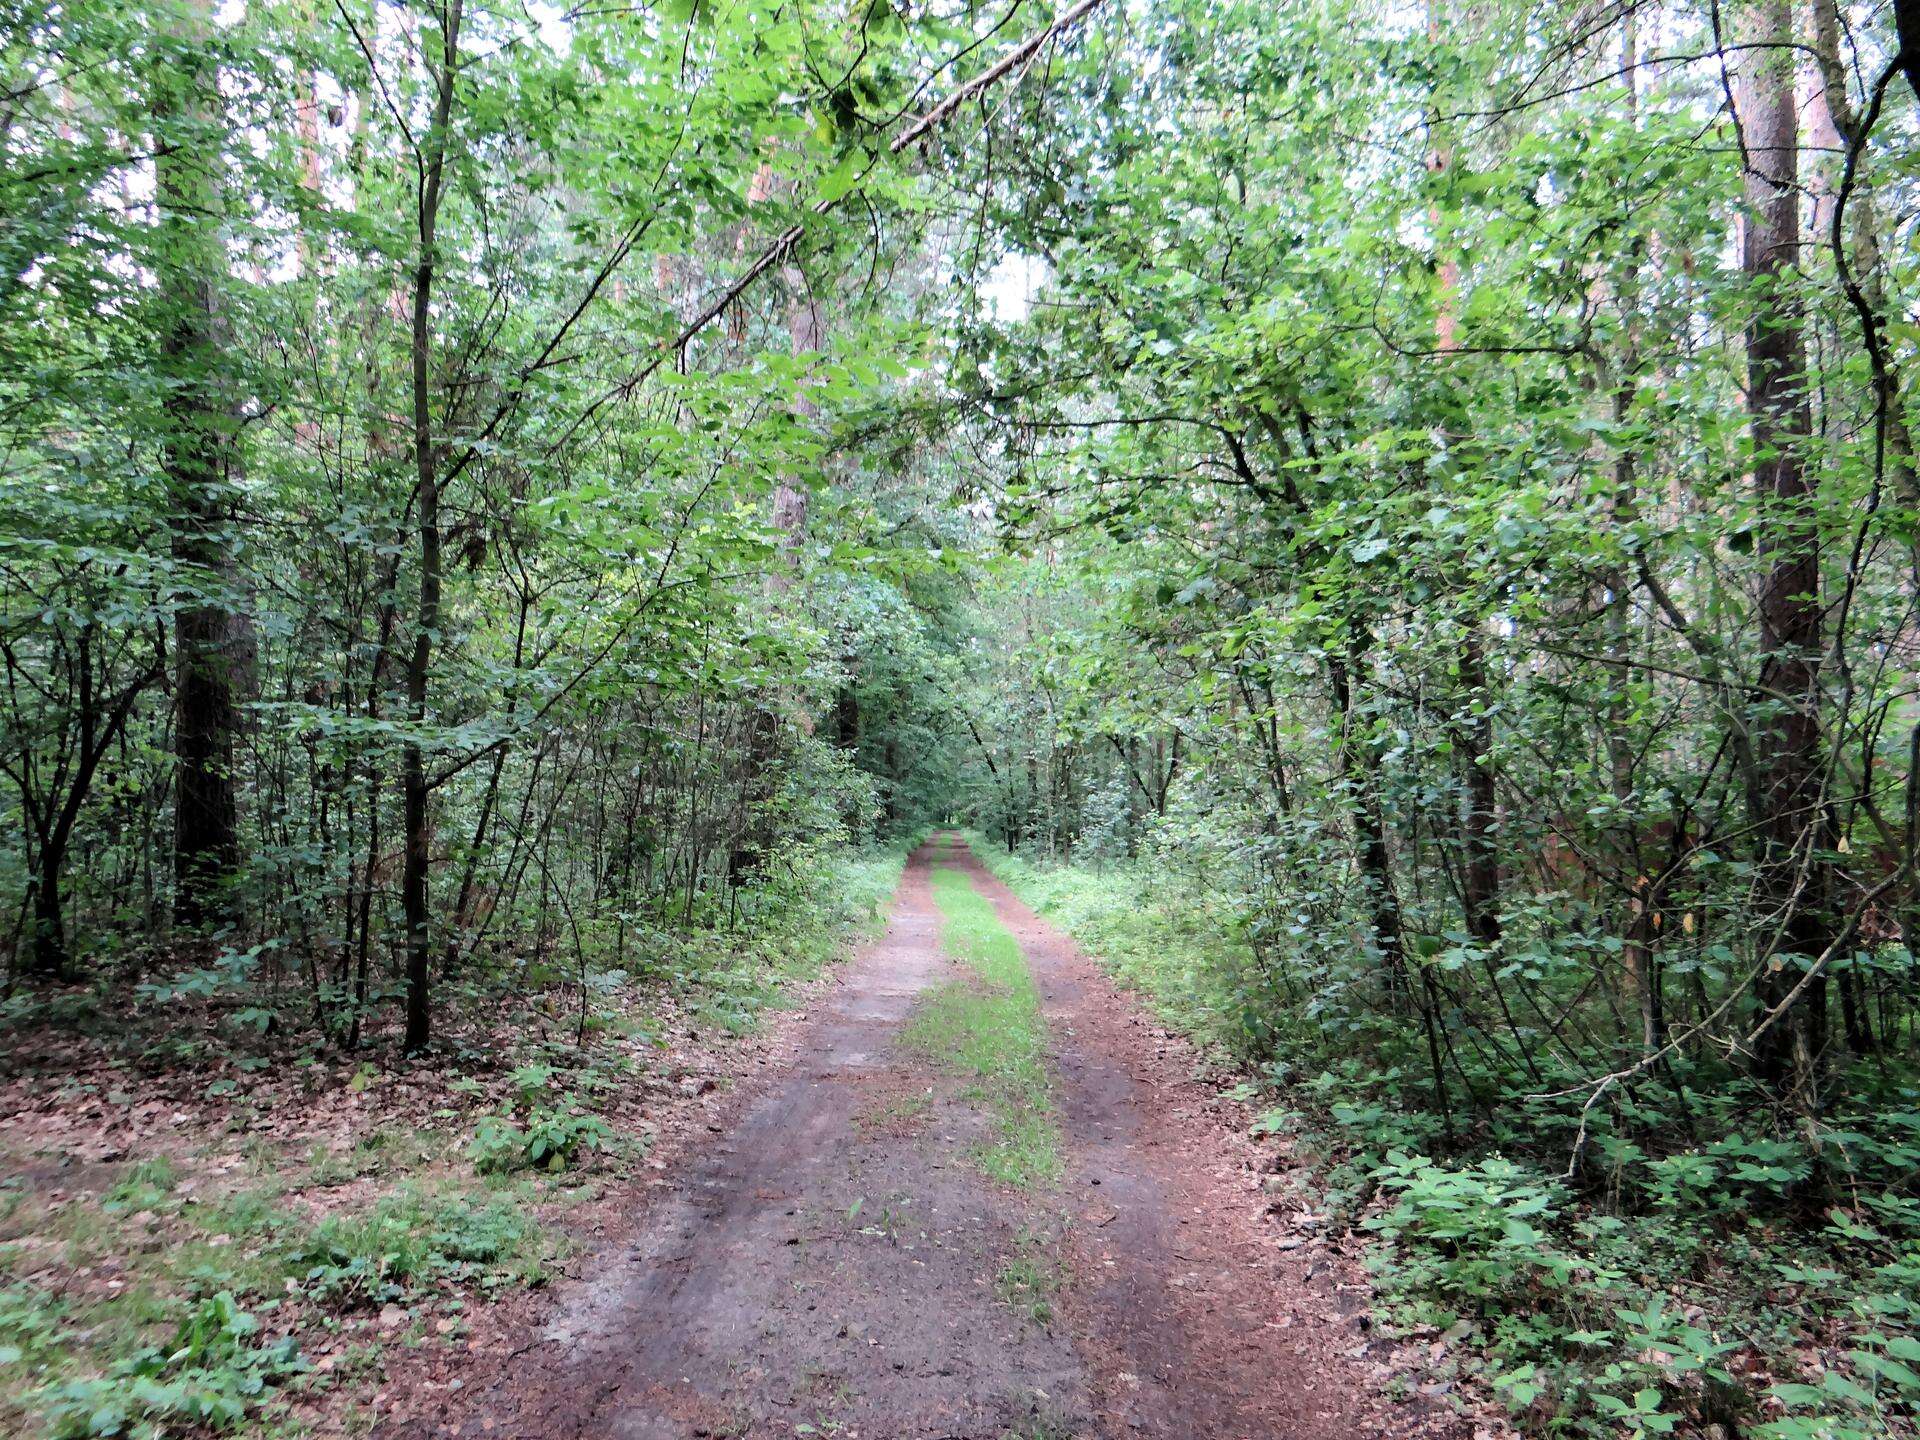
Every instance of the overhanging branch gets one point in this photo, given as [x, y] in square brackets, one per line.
[784, 242]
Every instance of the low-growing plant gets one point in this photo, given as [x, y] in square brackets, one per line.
[146, 1186]
[406, 1243]
[31, 1323]
[549, 1139]
[212, 1376]
[1470, 1236]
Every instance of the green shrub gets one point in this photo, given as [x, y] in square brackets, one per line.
[550, 1140]
[1471, 1236]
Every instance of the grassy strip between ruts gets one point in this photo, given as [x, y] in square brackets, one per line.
[988, 1025]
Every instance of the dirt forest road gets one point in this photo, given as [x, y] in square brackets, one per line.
[837, 1264]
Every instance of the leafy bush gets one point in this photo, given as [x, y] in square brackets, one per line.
[231, 972]
[533, 1080]
[1469, 1235]
[551, 1139]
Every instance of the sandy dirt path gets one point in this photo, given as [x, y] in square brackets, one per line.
[832, 1264]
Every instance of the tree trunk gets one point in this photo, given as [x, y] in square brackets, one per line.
[101, 720]
[1786, 794]
[414, 788]
[748, 852]
[1906, 20]
[1359, 770]
[1480, 865]
[790, 492]
[201, 460]
[47, 957]
[846, 719]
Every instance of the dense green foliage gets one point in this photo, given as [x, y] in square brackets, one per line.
[1472, 594]
[1664, 1297]
[364, 452]
[497, 503]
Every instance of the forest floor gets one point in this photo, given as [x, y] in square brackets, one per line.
[898, 1231]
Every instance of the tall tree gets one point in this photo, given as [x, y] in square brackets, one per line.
[1786, 788]
[201, 457]
[415, 791]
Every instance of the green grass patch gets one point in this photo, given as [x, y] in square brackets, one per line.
[988, 1026]
[1181, 950]
[1029, 1278]
[163, 1310]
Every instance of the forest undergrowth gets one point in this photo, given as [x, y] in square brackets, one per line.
[213, 1218]
[1598, 1305]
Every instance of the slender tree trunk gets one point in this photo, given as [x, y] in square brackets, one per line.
[414, 789]
[1360, 771]
[201, 460]
[790, 491]
[1480, 857]
[101, 720]
[747, 852]
[1637, 952]
[1480, 867]
[1834, 123]
[1786, 797]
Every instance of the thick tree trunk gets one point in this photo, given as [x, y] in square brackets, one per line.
[1786, 795]
[206, 719]
[413, 778]
[47, 957]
